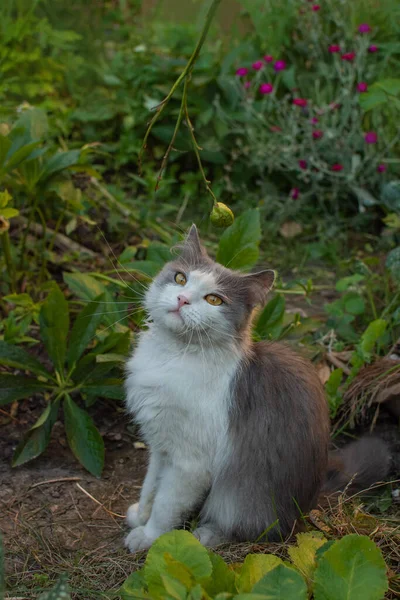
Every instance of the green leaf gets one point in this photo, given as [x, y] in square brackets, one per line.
[16, 387]
[222, 578]
[303, 555]
[84, 285]
[19, 156]
[54, 325]
[14, 356]
[35, 441]
[9, 213]
[59, 162]
[174, 588]
[113, 389]
[393, 263]
[35, 122]
[353, 303]
[372, 334]
[83, 437]
[334, 381]
[84, 329]
[255, 566]
[342, 285]
[351, 569]
[283, 583]
[238, 246]
[270, 321]
[133, 586]
[181, 546]
[59, 592]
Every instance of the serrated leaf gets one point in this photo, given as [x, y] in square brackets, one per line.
[59, 592]
[54, 326]
[16, 387]
[84, 329]
[222, 578]
[351, 569]
[269, 323]
[255, 566]
[83, 437]
[303, 555]
[36, 440]
[181, 546]
[238, 246]
[282, 583]
[14, 356]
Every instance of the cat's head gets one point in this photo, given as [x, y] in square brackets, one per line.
[193, 294]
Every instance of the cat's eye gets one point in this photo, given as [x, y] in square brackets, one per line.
[180, 279]
[213, 299]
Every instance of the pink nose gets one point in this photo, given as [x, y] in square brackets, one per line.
[182, 300]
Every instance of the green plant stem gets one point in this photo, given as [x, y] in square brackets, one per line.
[183, 76]
[5, 242]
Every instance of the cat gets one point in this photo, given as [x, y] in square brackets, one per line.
[236, 429]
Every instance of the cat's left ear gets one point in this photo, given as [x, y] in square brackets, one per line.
[260, 284]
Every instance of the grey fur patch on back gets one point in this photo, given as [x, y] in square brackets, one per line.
[279, 433]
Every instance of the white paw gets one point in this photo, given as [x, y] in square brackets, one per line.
[207, 536]
[138, 539]
[136, 517]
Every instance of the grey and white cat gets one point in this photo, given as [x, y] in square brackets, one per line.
[236, 429]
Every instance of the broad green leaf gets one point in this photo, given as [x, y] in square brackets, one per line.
[84, 329]
[249, 596]
[343, 284]
[15, 158]
[9, 213]
[14, 356]
[372, 334]
[35, 122]
[84, 286]
[83, 437]
[255, 566]
[178, 571]
[181, 546]
[113, 389]
[54, 325]
[238, 246]
[282, 583]
[59, 592]
[16, 387]
[351, 569]
[270, 320]
[353, 303]
[134, 586]
[59, 162]
[35, 441]
[303, 555]
[222, 578]
[334, 381]
[174, 588]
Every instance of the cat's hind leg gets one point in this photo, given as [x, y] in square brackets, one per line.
[208, 534]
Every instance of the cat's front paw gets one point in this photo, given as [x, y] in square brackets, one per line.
[136, 517]
[139, 539]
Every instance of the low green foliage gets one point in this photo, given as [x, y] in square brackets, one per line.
[178, 566]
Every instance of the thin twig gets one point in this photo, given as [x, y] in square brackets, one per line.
[54, 481]
[61, 241]
[98, 502]
[337, 363]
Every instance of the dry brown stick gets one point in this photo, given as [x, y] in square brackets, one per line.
[98, 502]
[60, 240]
[337, 363]
[60, 479]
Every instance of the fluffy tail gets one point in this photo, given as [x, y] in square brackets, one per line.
[357, 466]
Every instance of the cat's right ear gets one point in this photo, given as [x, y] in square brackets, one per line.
[191, 249]
[260, 284]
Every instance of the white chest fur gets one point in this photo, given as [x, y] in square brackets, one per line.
[180, 397]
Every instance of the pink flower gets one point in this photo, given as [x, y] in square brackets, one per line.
[373, 48]
[334, 48]
[280, 65]
[337, 167]
[371, 137]
[266, 88]
[299, 101]
[381, 168]
[315, 7]
[362, 86]
[364, 28]
[303, 164]
[247, 84]
[294, 193]
[314, 120]
[268, 58]
[257, 65]
[242, 72]
[349, 56]
[317, 134]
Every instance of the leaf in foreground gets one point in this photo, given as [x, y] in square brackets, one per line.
[36, 440]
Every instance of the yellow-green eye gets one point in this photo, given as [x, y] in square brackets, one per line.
[212, 299]
[180, 278]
